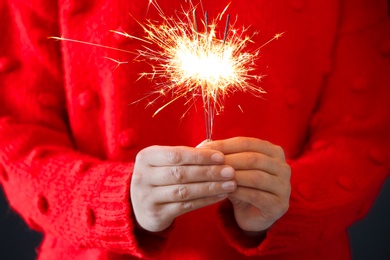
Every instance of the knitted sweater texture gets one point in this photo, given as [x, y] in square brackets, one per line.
[70, 127]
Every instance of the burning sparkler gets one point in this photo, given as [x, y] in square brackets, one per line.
[189, 61]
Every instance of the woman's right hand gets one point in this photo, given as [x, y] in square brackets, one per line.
[170, 181]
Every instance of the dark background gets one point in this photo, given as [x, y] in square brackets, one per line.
[370, 238]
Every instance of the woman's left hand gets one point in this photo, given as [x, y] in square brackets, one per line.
[263, 180]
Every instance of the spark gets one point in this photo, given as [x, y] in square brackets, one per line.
[89, 43]
[192, 61]
[118, 63]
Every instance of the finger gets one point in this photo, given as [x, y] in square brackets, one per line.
[170, 175]
[246, 144]
[176, 209]
[179, 155]
[254, 161]
[267, 203]
[188, 192]
[258, 180]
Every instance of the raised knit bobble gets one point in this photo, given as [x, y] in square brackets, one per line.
[377, 156]
[126, 138]
[37, 153]
[3, 173]
[87, 99]
[81, 167]
[43, 204]
[345, 183]
[91, 218]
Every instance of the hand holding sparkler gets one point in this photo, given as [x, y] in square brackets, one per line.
[170, 181]
[263, 181]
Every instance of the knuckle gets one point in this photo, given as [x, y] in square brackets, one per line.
[173, 156]
[187, 205]
[144, 155]
[245, 142]
[285, 172]
[154, 213]
[252, 160]
[211, 187]
[257, 178]
[177, 174]
[141, 155]
[136, 178]
[279, 150]
[154, 219]
[210, 172]
[198, 157]
[267, 143]
[181, 193]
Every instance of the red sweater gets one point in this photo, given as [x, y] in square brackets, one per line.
[68, 136]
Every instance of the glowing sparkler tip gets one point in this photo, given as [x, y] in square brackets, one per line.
[192, 62]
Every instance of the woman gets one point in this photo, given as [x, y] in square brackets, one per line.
[103, 179]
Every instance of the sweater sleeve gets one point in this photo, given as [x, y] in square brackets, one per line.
[346, 158]
[56, 189]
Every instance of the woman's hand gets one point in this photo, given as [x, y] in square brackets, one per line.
[263, 181]
[170, 181]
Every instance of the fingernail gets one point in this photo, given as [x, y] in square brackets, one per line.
[227, 172]
[229, 185]
[201, 144]
[217, 157]
[222, 196]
